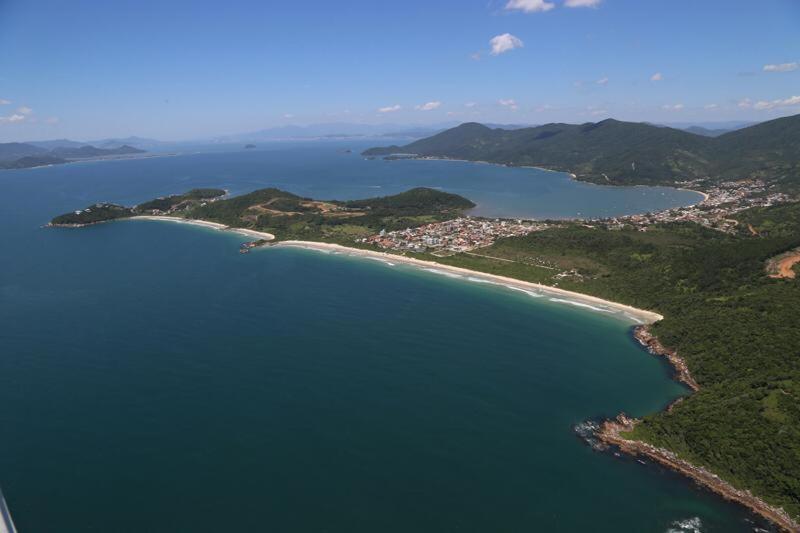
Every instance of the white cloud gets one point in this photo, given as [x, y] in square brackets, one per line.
[389, 109]
[509, 103]
[656, 77]
[672, 107]
[52, 120]
[476, 56]
[772, 104]
[504, 43]
[3, 101]
[428, 106]
[582, 3]
[602, 81]
[745, 103]
[599, 112]
[470, 104]
[288, 115]
[710, 106]
[13, 118]
[24, 110]
[782, 67]
[530, 6]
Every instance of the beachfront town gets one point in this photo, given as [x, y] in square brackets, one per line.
[459, 235]
[722, 202]
[467, 233]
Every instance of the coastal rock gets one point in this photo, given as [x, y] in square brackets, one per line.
[654, 346]
[610, 431]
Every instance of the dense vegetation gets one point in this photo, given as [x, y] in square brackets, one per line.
[620, 153]
[92, 215]
[413, 202]
[288, 216]
[736, 328]
[105, 212]
[171, 202]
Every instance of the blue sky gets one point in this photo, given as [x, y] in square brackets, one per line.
[192, 69]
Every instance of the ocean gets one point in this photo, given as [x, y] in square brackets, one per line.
[154, 379]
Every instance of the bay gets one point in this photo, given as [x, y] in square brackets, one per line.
[153, 379]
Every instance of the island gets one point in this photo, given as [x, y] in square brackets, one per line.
[713, 287]
[30, 155]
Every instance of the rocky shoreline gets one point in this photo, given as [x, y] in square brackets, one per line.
[654, 346]
[609, 434]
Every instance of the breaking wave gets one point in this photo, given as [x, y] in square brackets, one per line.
[581, 304]
[690, 525]
[533, 294]
[443, 273]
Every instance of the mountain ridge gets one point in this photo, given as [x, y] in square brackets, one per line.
[623, 153]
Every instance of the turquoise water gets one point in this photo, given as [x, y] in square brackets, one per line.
[153, 379]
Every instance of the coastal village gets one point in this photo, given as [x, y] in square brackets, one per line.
[465, 234]
[453, 236]
[721, 202]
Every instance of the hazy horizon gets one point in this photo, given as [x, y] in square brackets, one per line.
[376, 131]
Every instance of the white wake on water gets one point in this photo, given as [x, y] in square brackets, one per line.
[690, 525]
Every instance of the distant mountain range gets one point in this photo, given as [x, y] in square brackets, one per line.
[623, 153]
[34, 154]
[709, 129]
[336, 130]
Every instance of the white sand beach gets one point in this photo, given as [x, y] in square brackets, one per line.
[213, 225]
[641, 316]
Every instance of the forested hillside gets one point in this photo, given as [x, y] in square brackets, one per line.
[624, 153]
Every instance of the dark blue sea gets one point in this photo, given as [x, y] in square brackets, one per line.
[154, 379]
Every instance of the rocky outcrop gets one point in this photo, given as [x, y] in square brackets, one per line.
[610, 433]
[654, 346]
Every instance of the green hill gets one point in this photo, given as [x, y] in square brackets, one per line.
[623, 153]
[288, 215]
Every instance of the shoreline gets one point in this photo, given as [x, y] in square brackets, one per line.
[206, 224]
[640, 316]
[609, 433]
